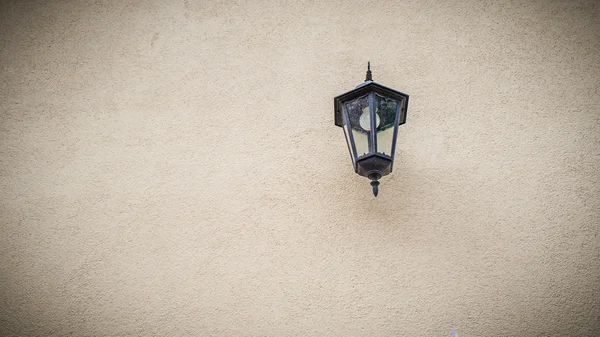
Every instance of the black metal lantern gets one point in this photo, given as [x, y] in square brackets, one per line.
[370, 115]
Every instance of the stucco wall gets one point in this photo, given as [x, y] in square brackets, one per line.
[172, 168]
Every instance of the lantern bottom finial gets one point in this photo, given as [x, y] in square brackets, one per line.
[375, 183]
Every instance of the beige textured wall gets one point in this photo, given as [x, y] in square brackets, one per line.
[172, 168]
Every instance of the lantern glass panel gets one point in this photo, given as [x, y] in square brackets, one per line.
[387, 110]
[348, 142]
[360, 123]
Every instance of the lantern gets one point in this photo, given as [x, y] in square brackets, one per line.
[370, 115]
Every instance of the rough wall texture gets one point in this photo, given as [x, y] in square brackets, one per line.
[172, 168]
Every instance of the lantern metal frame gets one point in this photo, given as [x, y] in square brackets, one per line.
[372, 164]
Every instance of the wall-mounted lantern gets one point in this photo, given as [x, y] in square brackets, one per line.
[370, 115]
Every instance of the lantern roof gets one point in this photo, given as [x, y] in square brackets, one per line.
[363, 89]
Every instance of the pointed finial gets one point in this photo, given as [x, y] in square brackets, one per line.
[375, 176]
[375, 185]
[369, 76]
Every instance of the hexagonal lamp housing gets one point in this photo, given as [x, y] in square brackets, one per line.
[371, 106]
